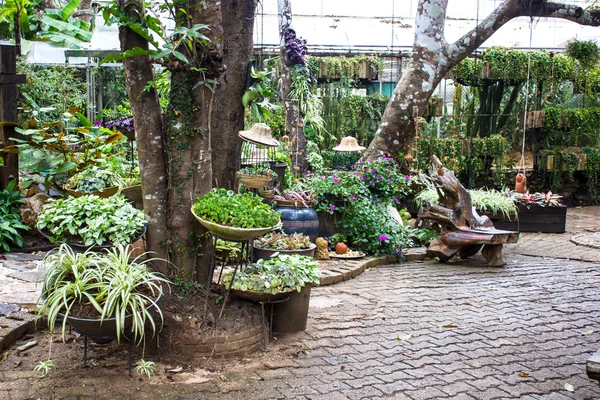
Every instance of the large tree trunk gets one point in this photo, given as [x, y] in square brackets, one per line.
[433, 57]
[228, 118]
[189, 140]
[150, 141]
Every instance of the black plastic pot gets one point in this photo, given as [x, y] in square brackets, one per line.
[98, 331]
[299, 219]
[292, 315]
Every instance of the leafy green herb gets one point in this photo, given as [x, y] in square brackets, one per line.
[246, 210]
[11, 225]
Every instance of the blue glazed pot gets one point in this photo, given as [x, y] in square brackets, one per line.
[299, 219]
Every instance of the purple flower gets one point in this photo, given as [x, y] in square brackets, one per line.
[373, 171]
[374, 201]
[372, 183]
[322, 178]
[97, 123]
[352, 197]
[333, 175]
[362, 178]
[383, 238]
[332, 208]
[308, 172]
[389, 180]
[399, 252]
[335, 180]
[379, 176]
[408, 177]
[396, 200]
[384, 157]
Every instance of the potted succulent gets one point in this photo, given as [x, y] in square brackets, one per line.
[255, 176]
[236, 217]
[90, 220]
[281, 243]
[297, 213]
[101, 295]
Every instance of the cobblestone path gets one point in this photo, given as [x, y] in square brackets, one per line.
[421, 331]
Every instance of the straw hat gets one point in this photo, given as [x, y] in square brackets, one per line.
[259, 134]
[349, 144]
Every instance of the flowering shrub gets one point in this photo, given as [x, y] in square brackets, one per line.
[384, 179]
[341, 185]
[370, 228]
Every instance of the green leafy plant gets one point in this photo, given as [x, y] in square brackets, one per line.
[91, 220]
[337, 186]
[94, 179]
[586, 52]
[384, 179]
[283, 241]
[112, 284]
[145, 368]
[256, 169]
[280, 274]
[44, 367]
[246, 210]
[11, 225]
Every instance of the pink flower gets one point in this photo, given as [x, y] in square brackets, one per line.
[408, 177]
[379, 176]
[372, 183]
[332, 208]
[336, 180]
[383, 238]
[389, 180]
[373, 171]
[352, 197]
[396, 200]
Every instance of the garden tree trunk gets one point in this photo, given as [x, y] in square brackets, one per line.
[188, 146]
[150, 139]
[17, 32]
[294, 128]
[433, 57]
[228, 118]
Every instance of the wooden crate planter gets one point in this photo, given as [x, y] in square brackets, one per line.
[535, 119]
[536, 219]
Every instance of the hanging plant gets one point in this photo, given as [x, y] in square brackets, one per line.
[586, 52]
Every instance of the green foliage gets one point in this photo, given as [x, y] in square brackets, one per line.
[347, 68]
[145, 368]
[256, 169]
[340, 185]
[259, 95]
[44, 367]
[368, 226]
[281, 274]
[114, 284]
[11, 226]
[94, 179]
[586, 52]
[483, 200]
[56, 87]
[304, 89]
[340, 159]
[246, 210]
[593, 170]
[384, 179]
[91, 220]
[283, 241]
[581, 124]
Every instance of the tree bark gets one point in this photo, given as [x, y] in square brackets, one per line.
[433, 58]
[228, 118]
[150, 140]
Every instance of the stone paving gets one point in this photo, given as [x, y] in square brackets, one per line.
[421, 330]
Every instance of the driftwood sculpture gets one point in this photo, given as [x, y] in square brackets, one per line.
[463, 232]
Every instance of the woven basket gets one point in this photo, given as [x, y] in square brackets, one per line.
[234, 234]
[254, 181]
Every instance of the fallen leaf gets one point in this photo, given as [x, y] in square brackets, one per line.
[569, 387]
[524, 375]
[466, 303]
[450, 325]
[588, 333]
[175, 370]
[492, 288]
[405, 337]
[3, 357]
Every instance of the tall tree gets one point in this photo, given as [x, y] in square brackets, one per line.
[227, 113]
[433, 57]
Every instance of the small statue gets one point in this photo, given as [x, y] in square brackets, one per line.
[322, 253]
[521, 183]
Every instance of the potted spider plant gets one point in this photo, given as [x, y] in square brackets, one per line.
[281, 243]
[235, 217]
[91, 221]
[103, 296]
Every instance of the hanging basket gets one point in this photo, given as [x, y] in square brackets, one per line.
[234, 234]
[254, 181]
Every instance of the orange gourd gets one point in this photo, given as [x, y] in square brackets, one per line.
[341, 248]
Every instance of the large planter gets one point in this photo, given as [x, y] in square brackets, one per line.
[292, 315]
[234, 234]
[536, 219]
[94, 247]
[266, 254]
[98, 331]
[299, 219]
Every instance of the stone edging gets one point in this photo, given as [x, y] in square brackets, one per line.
[12, 329]
[337, 271]
[583, 240]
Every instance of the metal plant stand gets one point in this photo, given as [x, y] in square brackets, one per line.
[85, 348]
[262, 306]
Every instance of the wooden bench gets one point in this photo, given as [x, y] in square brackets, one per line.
[463, 232]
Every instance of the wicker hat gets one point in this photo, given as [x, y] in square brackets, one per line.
[349, 144]
[259, 134]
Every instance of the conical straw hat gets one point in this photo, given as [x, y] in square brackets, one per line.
[259, 134]
[349, 144]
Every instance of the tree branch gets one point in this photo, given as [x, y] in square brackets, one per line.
[511, 9]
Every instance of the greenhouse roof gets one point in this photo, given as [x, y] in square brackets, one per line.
[341, 26]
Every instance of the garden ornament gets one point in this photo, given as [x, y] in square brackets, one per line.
[259, 134]
[349, 144]
[322, 253]
[521, 183]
